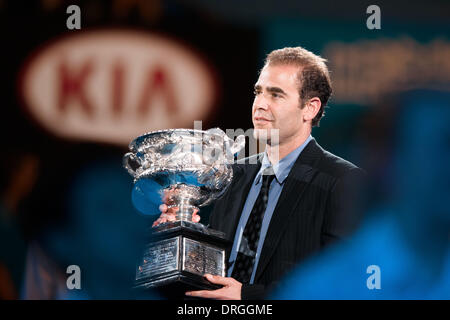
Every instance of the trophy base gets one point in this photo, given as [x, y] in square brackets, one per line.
[175, 286]
[178, 256]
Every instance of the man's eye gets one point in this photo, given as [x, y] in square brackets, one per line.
[276, 95]
[256, 92]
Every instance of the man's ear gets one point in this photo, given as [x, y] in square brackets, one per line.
[312, 107]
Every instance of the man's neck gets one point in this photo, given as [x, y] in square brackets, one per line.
[277, 152]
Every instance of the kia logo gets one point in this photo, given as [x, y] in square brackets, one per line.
[113, 85]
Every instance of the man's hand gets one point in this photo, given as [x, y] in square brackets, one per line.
[168, 214]
[230, 291]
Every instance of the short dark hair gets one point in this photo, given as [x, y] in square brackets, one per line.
[313, 77]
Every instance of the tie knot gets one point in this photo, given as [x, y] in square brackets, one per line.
[267, 175]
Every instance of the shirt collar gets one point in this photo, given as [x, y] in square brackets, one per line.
[283, 167]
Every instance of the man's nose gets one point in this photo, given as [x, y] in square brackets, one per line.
[261, 102]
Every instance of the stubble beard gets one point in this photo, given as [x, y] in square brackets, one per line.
[264, 135]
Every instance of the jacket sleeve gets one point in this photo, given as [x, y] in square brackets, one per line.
[258, 291]
[253, 292]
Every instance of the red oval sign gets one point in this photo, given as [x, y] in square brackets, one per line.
[114, 85]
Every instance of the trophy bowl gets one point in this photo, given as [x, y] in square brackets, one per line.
[185, 169]
[182, 168]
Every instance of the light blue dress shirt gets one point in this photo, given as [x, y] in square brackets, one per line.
[281, 169]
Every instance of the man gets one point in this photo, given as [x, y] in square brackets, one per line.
[280, 212]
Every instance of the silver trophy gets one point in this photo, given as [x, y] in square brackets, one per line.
[185, 169]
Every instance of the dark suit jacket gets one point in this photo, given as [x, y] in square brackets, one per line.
[313, 210]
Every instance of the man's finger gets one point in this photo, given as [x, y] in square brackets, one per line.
[156, 222]
[219, 280]
[172, 210]
[163, 208]
[210, 294]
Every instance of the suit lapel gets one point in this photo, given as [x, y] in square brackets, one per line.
[296, 183]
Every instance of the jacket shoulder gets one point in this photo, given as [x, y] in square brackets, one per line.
[240, 166]
[254, 159]
[336, 166]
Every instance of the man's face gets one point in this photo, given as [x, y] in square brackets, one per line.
[277, 103]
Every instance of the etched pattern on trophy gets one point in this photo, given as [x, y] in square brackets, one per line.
[200, 258]
[159, 258]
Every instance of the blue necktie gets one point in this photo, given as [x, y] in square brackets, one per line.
[245, 260]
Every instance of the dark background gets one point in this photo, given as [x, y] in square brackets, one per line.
[77, 206]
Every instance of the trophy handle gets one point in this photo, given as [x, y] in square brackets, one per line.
[131, 162]
[238, 144]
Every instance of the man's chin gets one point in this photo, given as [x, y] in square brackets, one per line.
[266, 134]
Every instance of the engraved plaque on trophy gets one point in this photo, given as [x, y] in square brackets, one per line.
[184, 169]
